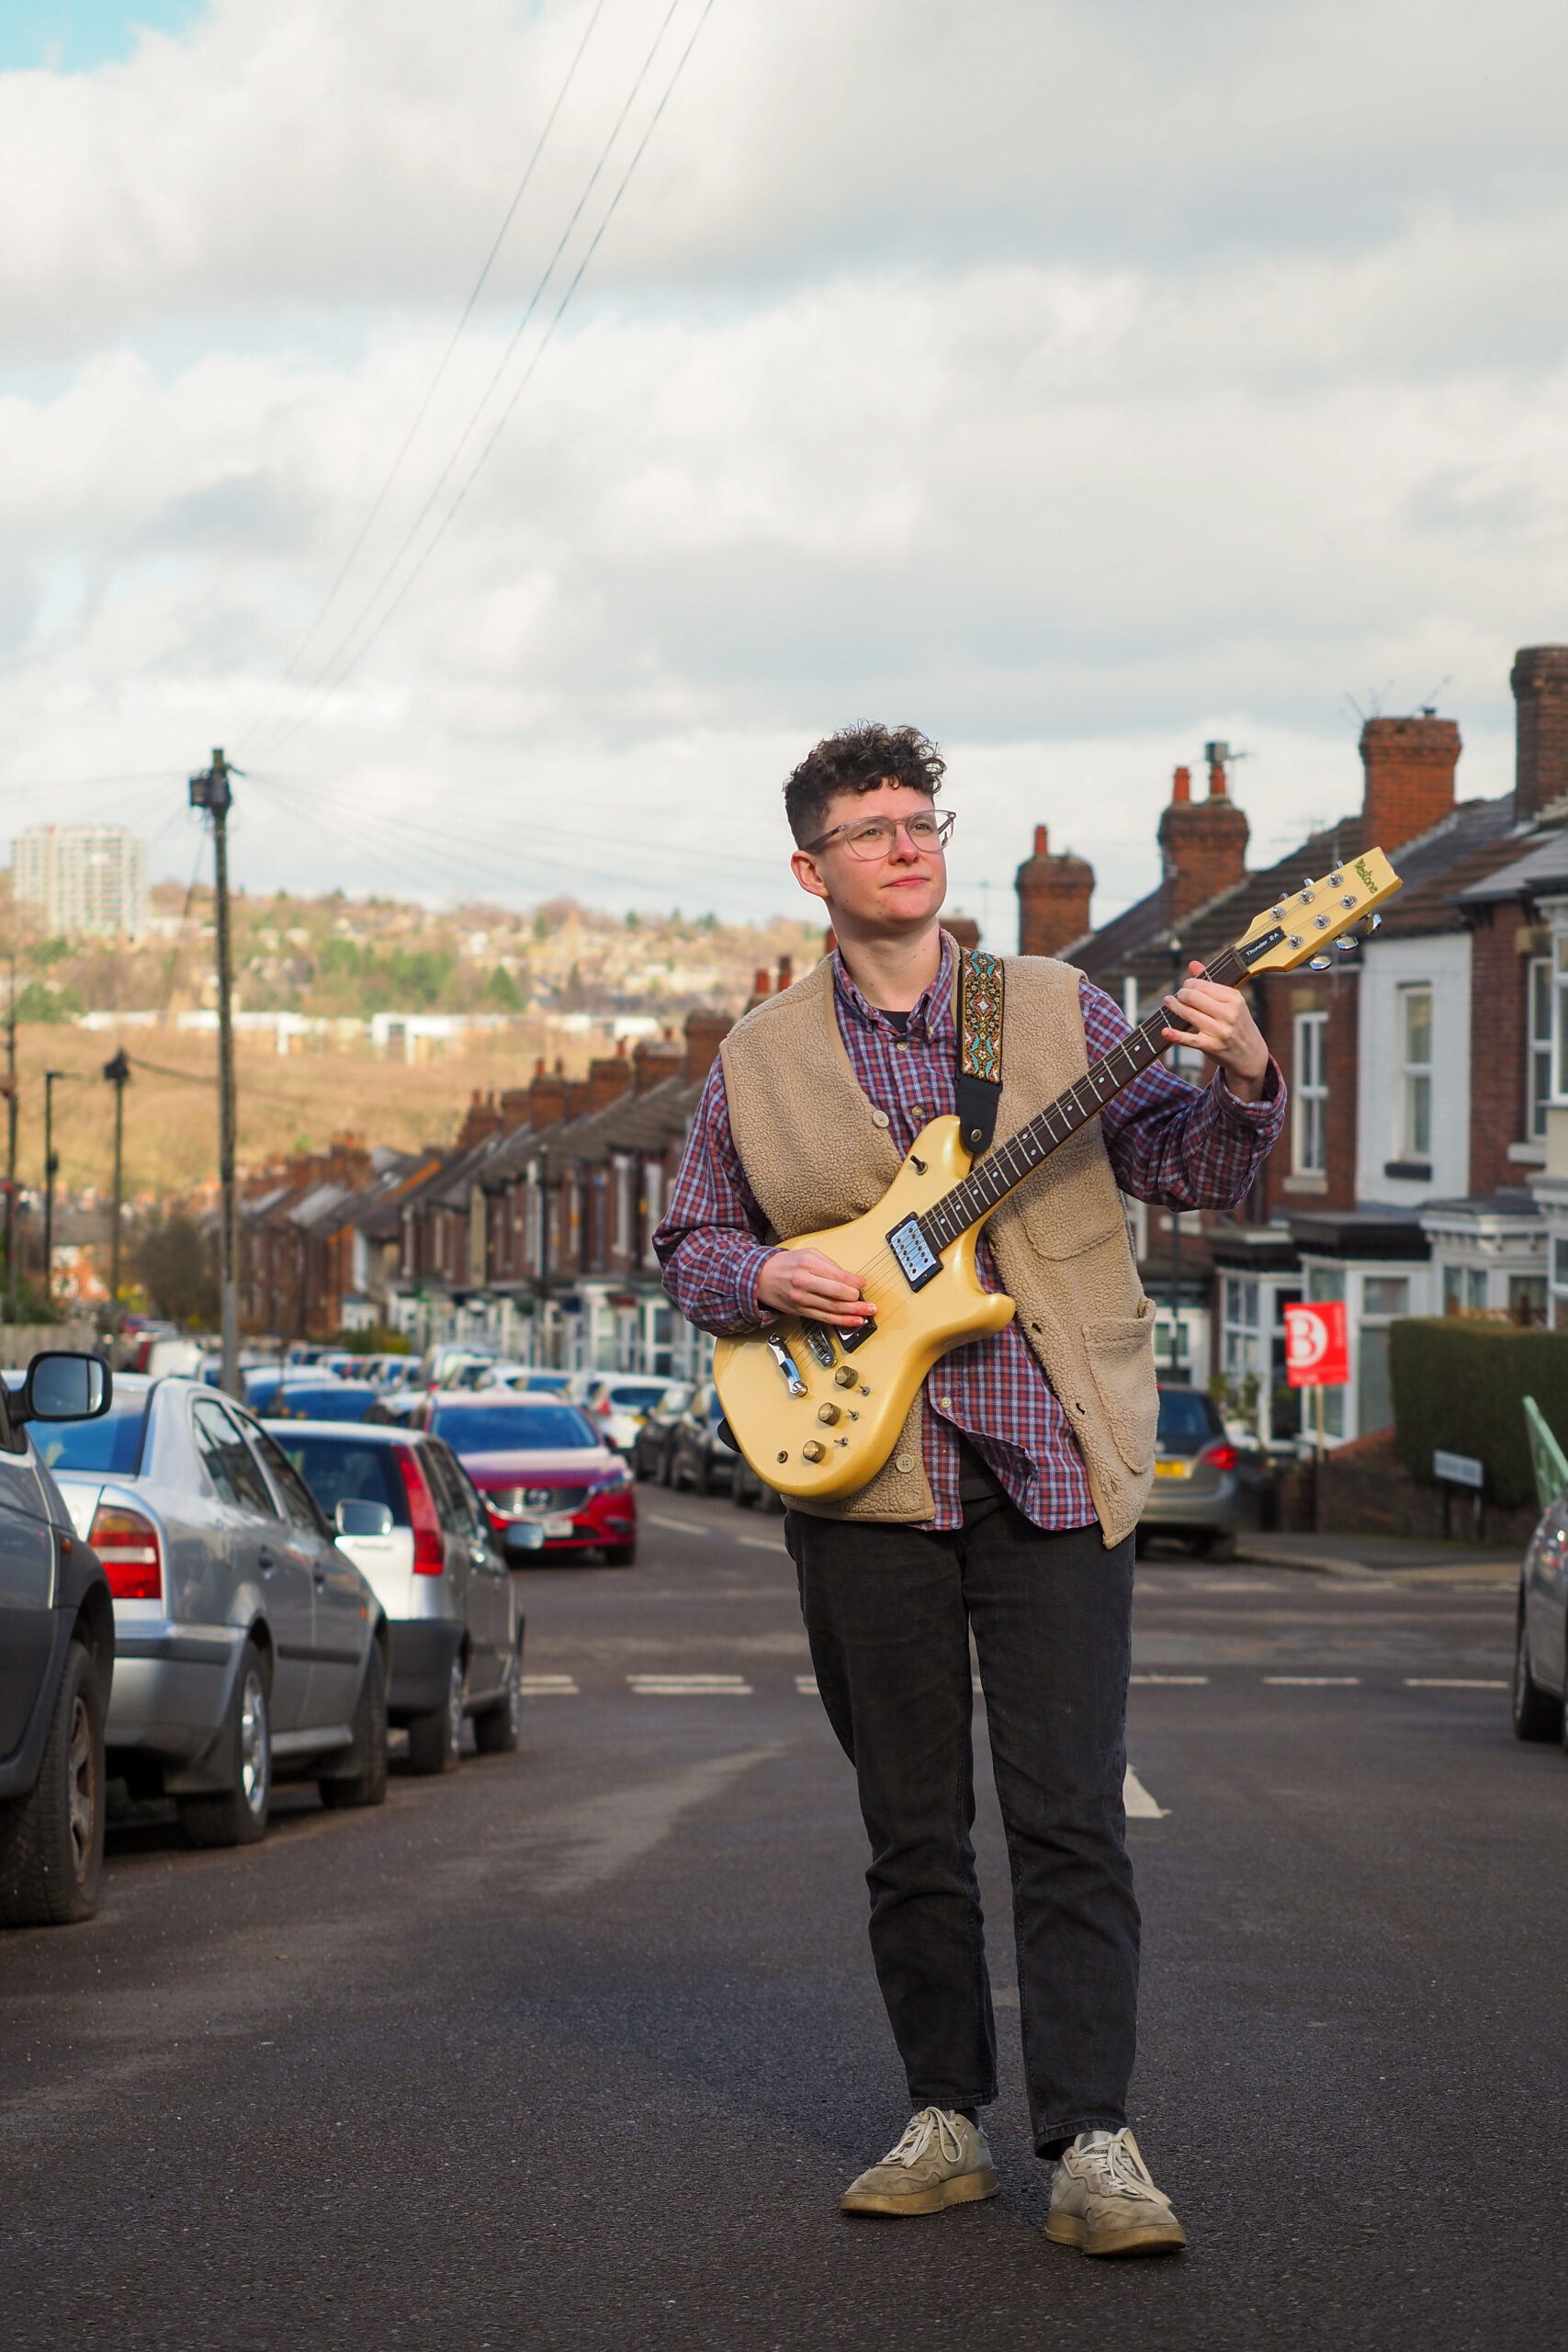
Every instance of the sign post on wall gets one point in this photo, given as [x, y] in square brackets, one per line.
[1317, 1352]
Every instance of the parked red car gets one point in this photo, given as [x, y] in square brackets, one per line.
[539, 1458]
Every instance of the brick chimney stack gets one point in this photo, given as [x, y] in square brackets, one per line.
[705, 1031]
[609, 1077]
[654, 1060]
[1409, 765]
[1539, 679]
[1203, 842]
[962, 929]
[1054, 892]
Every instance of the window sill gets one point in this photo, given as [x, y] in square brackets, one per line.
[1408, 1171]
[1304, 1184]
[1528, 1155]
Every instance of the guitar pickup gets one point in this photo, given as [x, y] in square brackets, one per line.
[787, 1365]
[918, 1261]
[856, 1337]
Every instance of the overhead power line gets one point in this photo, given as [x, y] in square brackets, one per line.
[325, 684]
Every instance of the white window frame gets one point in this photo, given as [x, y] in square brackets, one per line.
[1540, 999]
[1415, 1077]
[1308, 1095]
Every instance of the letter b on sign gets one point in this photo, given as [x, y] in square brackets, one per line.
[1317, 1348]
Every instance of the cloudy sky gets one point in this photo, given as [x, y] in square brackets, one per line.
[1075, 380]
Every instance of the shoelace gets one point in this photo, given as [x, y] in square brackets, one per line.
[1124, 2173]
[932, 2124]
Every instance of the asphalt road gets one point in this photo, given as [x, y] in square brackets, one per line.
[577, 2047]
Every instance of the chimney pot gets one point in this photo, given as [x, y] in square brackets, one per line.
[1041, 841]
[1182, 784]
[786, 972]
[759, 981]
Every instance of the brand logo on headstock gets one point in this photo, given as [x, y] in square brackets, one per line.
[1365, 870]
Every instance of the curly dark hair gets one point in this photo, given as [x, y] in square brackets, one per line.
[858, 759]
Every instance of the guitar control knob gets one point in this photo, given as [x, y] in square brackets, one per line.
[812, 1450]
[829, 1413]
[845, 1375]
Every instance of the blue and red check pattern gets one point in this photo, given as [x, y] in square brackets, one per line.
[1167, 1143]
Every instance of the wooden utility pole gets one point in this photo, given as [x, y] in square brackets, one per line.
[210, 790]
[118, 1073]
[51, 1079]
[13, 1272]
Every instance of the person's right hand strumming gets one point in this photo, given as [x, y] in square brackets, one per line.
[806, 1281]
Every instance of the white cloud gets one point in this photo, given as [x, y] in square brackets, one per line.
[1074, 381]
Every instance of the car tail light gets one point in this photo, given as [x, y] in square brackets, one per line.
[1221, 1455]
[126, 1543]
[602, 1408]
[429, 1548]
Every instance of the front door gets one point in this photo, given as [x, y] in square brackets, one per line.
[341, 1621]
[261, 1554]
[27, 1595]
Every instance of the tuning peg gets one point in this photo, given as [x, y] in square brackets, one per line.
[1375, 922]
[1320, 964]
[1348, 944]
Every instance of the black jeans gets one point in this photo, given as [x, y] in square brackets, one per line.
[889, 1610]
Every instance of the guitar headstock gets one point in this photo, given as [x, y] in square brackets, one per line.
[1298, 928]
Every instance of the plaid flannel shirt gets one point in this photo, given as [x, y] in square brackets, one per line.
[1168, 1142]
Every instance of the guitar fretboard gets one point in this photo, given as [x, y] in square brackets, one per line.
[1004, 1169]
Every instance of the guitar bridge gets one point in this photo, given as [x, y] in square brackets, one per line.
[820, 1344]
[918, 1261]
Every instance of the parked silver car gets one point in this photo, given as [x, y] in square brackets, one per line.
[246, 1643]
[1196, 1494]
[407, 1513]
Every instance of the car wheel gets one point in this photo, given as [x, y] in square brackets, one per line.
[667, 1467]
[369, 1784]
[435, 1740]
[238, 1817]
[51, 1840]
[1537, 1715]
[620, 1555]
[1215, 1547]
[498, 1730]
[702, 1477]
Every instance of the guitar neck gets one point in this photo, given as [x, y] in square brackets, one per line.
[1003, 1169]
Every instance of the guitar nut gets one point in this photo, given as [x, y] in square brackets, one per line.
[812, 1450]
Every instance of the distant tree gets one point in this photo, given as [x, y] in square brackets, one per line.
[502, 991]
[632, 922]
[37, 1003]
[49, 951]
[176, 1264]
[541, 928]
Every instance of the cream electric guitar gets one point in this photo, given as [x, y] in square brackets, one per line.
[816, 1410]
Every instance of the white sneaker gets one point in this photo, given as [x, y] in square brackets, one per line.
[943, 2159]
[1103, 2201]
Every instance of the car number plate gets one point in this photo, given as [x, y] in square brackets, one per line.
[559, 1523]
[1173, 1469]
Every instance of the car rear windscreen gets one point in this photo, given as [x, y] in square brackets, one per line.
[113, 1443]
[636, 1392]
[513, 1428]
[346, 1470]
[337, 1400]
[1185, 1422]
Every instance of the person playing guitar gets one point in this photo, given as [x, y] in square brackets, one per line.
[1010, 1517]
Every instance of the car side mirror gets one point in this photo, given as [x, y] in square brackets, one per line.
[64, 1388]
[364, 1519]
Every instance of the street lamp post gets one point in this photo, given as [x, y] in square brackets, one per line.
[1176, 1213]
[51, 1164]
[118, 1073]
[210, 790]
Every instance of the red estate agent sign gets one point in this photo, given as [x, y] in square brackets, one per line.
[1317, 1348]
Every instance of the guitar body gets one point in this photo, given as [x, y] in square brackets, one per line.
[914, 1329]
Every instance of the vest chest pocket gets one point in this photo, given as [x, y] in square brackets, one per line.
[1121, 1350]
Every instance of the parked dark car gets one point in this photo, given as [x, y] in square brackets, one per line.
[747, 1491]
[56, 1660]
[310, 1396]
[655, 1441]
[699, 1457]
[1196, 1495]
[538, 1460]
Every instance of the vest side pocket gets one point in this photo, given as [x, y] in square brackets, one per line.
[1121, 1350]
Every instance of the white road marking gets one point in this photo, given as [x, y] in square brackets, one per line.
[685, 1526]
[584, 1844]
[806, 1686]
[761, 1544]
[1313, 1681]
[1449, 1682]
[1139, 1804]
[1182, 1681]
[688, 1686]
[549, 1686]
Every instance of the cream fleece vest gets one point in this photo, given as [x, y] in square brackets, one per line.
[815, 1156]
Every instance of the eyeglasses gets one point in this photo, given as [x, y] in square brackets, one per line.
[930, 831]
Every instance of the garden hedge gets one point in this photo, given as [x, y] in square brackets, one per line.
[1459, 1386]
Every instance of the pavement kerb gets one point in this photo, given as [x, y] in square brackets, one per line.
[1319, 1564]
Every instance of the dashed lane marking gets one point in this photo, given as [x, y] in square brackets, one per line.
[1179, 1681]
[1313, 1681]
[683, 1526]
[761, 1544]
[688, 1686]
[806, 1686]
[1450, 1682]
[549, 1686]
[1136, 1801]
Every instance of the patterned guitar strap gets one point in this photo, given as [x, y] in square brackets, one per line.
[980, 993]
